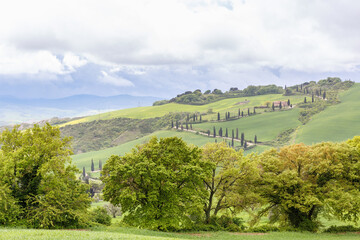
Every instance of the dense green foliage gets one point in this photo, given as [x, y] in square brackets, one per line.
[158, 185]
[38, 182]
[300, 181]
[156, 181]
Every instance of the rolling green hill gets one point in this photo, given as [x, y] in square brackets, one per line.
[336, 123]
[226, 105]
[266, 126]
[84, 159]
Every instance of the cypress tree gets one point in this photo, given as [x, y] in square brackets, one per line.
[226, 133]
[200, 118]
[172, 123]
[182, 127]
[324, 95]
[242, 139]
[237, 133]
[245, 144]
[289, 102]
[304, 91]
[214, 132]
[228, 115]
[320, 91]
[100, 165]
[218, 116]
[177, 124]
[273, 106]
[239, 113]
[254, 111]
[220, 132]
[280, 105]
[248, 111]
[307, 90]
[208, 133]
[187, 126]
[312, 97]
[194, 118]
[297, 88]
[84, 172]
[232, 142]
[92, 165]
[301, 86]
[242, 113]
[305, 100]
[255, 139]
[187, 117]
[232, 133]
[190, 126]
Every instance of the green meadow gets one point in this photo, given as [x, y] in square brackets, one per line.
[336, 123]
[112, 233]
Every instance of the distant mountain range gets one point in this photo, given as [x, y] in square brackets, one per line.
[14, 110]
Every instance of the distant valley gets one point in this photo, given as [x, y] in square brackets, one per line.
[16, 110]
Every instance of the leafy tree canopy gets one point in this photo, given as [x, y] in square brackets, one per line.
[158, 185]
[230, 182]
[301, 181]
[39, 180]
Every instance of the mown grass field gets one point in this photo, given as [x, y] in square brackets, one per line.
[84, 159]
[132, 233]
[227, 105]
[336, 123]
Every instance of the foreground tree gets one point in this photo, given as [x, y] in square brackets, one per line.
[229, 184]
[301, 181]
[158, 185]
[42, 182]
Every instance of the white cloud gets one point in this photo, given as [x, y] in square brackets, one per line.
[300, 35]
[115, 80]
[14, 61]
[72, 61]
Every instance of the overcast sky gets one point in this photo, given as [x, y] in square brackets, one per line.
[164, 47]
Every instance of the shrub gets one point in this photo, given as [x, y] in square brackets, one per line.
[264, 229]
[100, 215]
[339, 229]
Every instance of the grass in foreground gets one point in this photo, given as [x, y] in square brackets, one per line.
[132, 233]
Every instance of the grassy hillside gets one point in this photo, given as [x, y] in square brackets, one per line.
[336, 123]
[266, 126]
[227, 105]
[84, 159]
